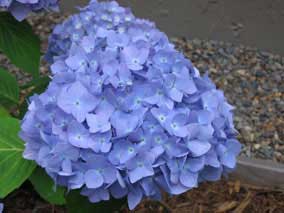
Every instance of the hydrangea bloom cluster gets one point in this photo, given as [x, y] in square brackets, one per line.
[21, 8]
[125, 113]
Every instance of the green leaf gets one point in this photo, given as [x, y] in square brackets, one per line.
[19, 44]
[44, 185]
[78, 203]
[14, 169]
[3, 112]
[9, 90]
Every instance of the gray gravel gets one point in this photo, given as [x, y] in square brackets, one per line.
[252, 81]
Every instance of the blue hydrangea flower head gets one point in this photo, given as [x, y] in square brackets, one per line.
[126, 115]
[21, 8]
[1, 207]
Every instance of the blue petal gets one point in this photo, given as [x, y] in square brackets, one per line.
[139, 173]
[198, 148]
[93, 179]
[195, 164]
[188, 179]
[117, 191]
[134, 198]
[76, 181]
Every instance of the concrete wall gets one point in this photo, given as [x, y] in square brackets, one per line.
[257, 23]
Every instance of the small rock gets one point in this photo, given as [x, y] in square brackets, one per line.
[241, 72]
[256, 146]
[278, 66]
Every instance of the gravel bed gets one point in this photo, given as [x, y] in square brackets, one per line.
[251, 79]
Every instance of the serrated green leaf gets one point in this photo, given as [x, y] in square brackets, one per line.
[19, 43]
[45, 187]
[9, 89]
[14, 169]
[3, 112]
[78, 203]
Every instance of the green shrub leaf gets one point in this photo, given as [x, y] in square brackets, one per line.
[14, 169]
[3, 112]
[19, 43]
[9, 89]
[44, 185]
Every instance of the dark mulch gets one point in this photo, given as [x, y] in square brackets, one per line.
[218, 197]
